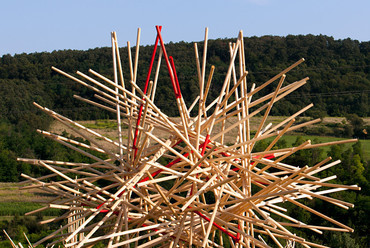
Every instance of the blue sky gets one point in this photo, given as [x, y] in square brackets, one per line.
[46, 25]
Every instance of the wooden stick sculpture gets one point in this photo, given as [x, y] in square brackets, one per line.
[209, 194]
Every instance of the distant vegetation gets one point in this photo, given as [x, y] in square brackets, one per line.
[339, 85]
[338, 69]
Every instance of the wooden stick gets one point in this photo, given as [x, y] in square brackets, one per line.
[118, 60]
[119, 128]
[320, 214]
[209, 82]
[130, 61]
[11, 241]
[28, 241]
[157, 74]
[192, 198]
[213, 216]
[306, 147]
[137, 53]
[270, 105]
[278, 75]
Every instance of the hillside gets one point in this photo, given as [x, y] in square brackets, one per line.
[338, 69]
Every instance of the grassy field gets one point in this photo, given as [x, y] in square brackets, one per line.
[14, 201]
[103, 124]
[290, 139]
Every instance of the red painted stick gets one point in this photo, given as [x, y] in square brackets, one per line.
[145, 90]
[167, 61]
[236, 239]
[176, 79]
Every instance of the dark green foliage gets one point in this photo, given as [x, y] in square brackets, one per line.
[305, 157]
[24, 224]
[356, 126]
[20, 208]
[338, 69]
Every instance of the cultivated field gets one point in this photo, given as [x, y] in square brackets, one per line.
[18, 202]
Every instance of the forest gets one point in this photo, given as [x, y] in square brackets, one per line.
[339, 85]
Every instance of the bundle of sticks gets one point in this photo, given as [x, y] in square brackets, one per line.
[191, 188]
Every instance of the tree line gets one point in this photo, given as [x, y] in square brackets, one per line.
[338, 70]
